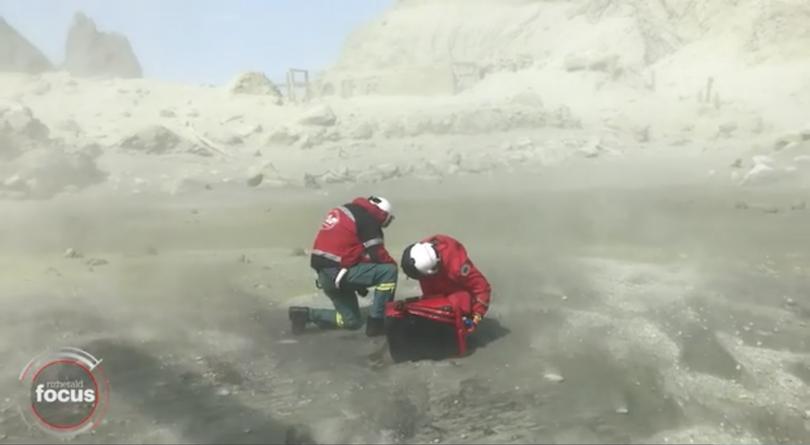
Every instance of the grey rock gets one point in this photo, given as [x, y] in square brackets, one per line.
[257, 84]
[283, 136]
[321, 115]
[44, 172]
[255, 180]
[157, 139]
[727, 129]
[72, 253]
[364, 130]
[93, 262]
[17, 54]
[528, 98]
[92, 53]
[17, 120]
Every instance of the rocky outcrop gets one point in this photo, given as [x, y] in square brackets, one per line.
[20, 130]
[18, 54]
[159, 140]
[255, 83]
[45, 172]
[319, 115]
[92, 53]
[35, 166]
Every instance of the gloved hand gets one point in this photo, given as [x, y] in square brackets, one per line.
[472, 323]
[363, 292]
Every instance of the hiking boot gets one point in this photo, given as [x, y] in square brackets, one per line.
[375, 327]
[299, 316]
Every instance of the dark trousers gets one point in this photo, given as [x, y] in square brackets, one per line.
[346, 315]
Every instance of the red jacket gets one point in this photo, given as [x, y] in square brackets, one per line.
[350, 234]
[456, 273]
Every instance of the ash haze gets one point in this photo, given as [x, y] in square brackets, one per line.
[632, 177]
[204, 41]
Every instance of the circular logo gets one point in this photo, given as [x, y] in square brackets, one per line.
[331, 220]
[67, 392]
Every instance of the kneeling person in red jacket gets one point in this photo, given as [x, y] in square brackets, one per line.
[443, 268]
[348, 257]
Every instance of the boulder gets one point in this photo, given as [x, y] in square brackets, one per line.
[760, 174]
[803, 160]
[365, 130]
[393, 129]
[92, 53]
[764, 160]
[338, 175]
[596, 147]
[792, 141]
[727, 129]
[17, 54]
[255, 180]
[185, 184]
[590, 61]
[382, 172]
[321, 115]
[40, 88]
[157, 139]
[481, 120]
[310, 181]
[19, 129]
[19, 120]
[564, 118]
[247, 130]
[69, 126]
[261, 173]
[528, 118]
[223, 135]
[478, 164]
[527, 98]
[255, 83]
[284, 136]
[43, 173]
[417, 124]
[313, 138]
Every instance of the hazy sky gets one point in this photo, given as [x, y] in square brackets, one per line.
[204, 41]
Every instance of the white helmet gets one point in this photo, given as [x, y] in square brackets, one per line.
[384, 205]
[419, 260]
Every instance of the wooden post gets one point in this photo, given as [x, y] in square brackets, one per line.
[293, 84]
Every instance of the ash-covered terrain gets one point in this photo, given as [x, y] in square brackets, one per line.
[637, 197]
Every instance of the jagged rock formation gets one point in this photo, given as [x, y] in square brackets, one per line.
[92, 53]
[17, 54]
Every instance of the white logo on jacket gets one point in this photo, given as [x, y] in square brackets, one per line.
[332, 219]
